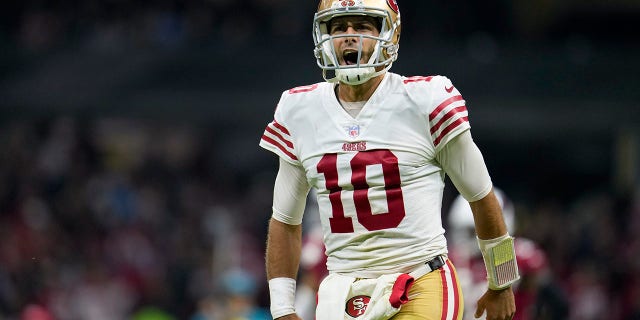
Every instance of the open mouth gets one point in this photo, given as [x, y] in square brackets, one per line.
[350, 57]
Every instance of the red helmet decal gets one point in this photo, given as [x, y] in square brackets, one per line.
[357, 305]
[348, 3]
[393, 5]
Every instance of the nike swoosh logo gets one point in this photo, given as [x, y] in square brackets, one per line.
[448, 89]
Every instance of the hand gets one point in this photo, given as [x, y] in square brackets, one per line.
[291, 316]
[499, 304]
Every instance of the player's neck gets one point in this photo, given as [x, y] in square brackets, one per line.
[361, 92]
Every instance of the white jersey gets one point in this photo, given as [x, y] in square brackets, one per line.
[379, 188]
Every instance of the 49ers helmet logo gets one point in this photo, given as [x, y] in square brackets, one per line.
[393, 5]
[357, 305]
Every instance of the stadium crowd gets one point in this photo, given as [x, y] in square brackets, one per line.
[112, 26]
[122, 218]
[102, 219]
[116, 25]
[118, 218]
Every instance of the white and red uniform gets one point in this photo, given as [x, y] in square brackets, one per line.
[379, 186]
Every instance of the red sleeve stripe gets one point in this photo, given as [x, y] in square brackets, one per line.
[443, 105]
[280, 127]
[280, 137]
[453, 112]
[449, 128]
[279, 146]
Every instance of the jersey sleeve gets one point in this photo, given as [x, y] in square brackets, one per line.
[277, 136]
[290, 193]
[464, 164]
[448, 116]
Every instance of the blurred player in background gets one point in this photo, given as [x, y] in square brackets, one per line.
[537, 297]
[376, 147]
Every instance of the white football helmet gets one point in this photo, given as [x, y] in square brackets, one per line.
[386, 48]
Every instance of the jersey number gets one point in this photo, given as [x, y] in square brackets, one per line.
[341, 224]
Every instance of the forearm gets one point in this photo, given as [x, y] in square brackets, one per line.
[487, 215]
[282, 259]
[283, 250]
[495, 242]
[284, 240]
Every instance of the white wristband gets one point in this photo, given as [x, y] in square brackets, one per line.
[500, 261]
[282, 292]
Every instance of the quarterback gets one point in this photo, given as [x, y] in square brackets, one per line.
[376, 147]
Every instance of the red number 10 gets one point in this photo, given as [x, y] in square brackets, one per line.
[395, 203]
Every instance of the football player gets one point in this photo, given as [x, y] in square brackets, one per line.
[537, 295]
[376, 146]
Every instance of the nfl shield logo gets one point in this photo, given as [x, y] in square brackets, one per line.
[353, 130]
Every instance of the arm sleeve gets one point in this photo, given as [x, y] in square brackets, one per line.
[463, 162]
[290, 193]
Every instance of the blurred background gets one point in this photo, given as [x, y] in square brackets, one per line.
[132, 185]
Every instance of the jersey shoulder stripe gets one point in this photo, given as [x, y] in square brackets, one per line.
[276, 135]
[451, 124]
[450, 128]
[446, 117]
[444, 106]
[281, 127]
[450, 114]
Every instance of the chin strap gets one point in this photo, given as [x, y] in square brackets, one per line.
[355, 76]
